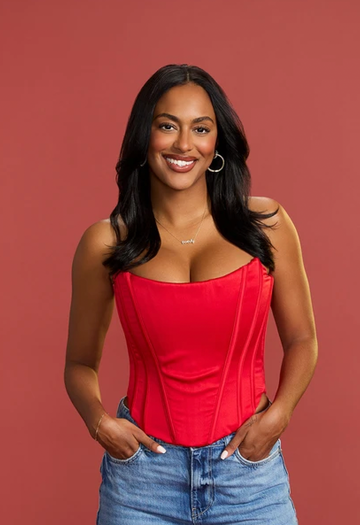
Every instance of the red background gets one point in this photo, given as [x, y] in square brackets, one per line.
[70, 74]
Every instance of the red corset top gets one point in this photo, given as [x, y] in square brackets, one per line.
[196, 352]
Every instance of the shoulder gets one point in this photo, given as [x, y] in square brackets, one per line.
[97, 236]
[100, 235]
[95, 246]
[266, 205]
[263, 205]
[282, 231]
[285, 240]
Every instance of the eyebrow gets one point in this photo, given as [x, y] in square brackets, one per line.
[176, 119]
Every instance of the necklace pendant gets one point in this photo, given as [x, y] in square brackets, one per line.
[188, 241]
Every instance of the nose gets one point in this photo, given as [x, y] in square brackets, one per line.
[183, 141]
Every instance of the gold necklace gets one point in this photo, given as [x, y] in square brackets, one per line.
[188, 241]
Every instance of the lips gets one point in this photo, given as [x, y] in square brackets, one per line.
[179, 157]
[191, 161]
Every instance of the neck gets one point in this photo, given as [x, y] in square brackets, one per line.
[180, 209]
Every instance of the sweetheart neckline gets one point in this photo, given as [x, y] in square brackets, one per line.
[174, 283]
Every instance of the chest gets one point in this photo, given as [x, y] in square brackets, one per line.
[210, 257]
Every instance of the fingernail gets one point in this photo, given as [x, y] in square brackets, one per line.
[161, 449]
[224, 454]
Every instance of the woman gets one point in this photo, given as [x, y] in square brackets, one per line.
[193, 264]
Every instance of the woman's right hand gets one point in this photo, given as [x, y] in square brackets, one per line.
[121, 438]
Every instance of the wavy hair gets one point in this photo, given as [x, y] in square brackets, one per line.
[228, 190]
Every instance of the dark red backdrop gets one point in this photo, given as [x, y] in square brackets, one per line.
[70, 73]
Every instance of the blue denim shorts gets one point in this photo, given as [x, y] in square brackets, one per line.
[188, 485]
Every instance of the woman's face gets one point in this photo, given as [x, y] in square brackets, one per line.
[183, 129]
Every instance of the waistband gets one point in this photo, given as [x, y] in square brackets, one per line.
[124, 412]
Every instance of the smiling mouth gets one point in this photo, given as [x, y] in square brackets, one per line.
[180, 163]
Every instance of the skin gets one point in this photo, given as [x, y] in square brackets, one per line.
[179, 201]
[175, 196]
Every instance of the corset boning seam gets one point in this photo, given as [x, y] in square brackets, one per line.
[135, 355]
[158, 369]
[227, 360]
[256, 314]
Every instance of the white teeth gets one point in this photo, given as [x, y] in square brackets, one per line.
[180, 163]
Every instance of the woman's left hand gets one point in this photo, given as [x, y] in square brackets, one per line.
[256, 437]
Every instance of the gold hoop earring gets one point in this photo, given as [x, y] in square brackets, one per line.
[223, 162]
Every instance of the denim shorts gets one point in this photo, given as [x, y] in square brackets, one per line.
[188, 485]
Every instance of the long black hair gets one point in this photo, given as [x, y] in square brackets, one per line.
[228, 190]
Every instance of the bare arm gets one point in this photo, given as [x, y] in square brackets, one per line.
[293, 314]
[91, 311]
[294, 318]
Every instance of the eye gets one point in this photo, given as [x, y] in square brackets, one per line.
[162, 125]
[205, 129]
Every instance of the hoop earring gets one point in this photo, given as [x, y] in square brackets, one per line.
[223, 162]
[143, 164]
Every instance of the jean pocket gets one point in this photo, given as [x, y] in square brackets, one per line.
[274, 453]
[131, 458]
